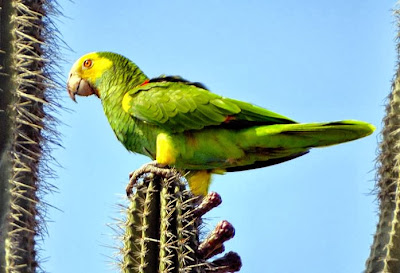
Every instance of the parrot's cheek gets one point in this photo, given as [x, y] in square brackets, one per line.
[79, 86]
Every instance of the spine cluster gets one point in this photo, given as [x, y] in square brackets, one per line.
[162, 230]
[385, 250]
[27, 88]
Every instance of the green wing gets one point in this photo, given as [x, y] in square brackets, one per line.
[177, 105]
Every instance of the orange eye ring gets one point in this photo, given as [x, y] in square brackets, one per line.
[87, 63]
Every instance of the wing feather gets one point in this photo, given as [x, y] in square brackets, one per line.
[179, 106]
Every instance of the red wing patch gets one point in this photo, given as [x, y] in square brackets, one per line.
[145, 82]
[229, 118]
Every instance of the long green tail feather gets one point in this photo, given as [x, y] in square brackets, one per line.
[307, 135]
[274, 144]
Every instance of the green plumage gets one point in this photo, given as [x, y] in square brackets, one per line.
[204, 131]
[181, 106]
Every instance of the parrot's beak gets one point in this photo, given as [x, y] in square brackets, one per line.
[78, 86]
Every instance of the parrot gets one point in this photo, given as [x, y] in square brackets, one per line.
[183, 125]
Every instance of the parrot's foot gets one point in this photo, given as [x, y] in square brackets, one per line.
[152, 167]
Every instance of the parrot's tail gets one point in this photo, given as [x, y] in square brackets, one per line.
[307, 135]
[273, 144]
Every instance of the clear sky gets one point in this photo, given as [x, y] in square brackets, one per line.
[310, 60]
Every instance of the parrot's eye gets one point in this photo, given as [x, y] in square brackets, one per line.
[88, 63]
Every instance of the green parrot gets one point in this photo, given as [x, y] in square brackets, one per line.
[182, 124]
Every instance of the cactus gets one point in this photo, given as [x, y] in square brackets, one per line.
[162, 228]
[385, 250]
[26, 126]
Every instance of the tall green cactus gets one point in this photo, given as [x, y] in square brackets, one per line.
[385, 250]
[26, 87]
[162, 229]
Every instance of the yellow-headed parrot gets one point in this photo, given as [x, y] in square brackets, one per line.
[183, 125]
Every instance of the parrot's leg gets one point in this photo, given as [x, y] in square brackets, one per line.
[165, 151]
[199, 181]
[152, 167]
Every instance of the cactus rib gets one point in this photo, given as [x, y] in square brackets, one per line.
[162, 227]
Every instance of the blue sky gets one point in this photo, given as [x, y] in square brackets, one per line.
[309, 60]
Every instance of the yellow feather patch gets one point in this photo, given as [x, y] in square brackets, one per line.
[126, 102]
[165, 151]
[199, 181]
[99, 66]
[219, 171]
[95, 71]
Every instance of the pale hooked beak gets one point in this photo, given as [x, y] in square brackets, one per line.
[78, 86]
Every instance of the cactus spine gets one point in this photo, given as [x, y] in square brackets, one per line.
[385, 250]
[26, 88]
[162, 229]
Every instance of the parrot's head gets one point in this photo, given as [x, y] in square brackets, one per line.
[94, 73]
[85, 73]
